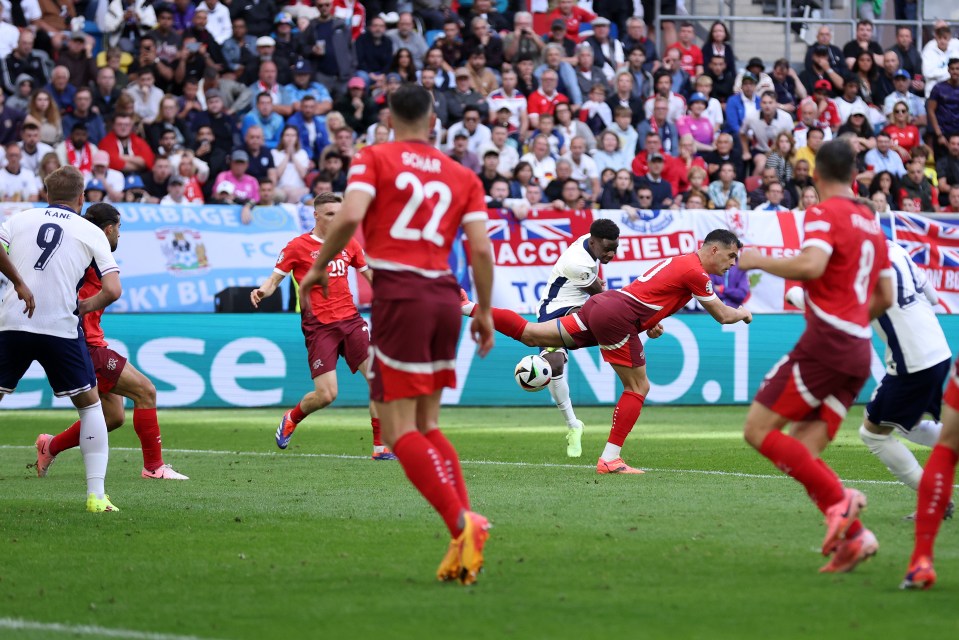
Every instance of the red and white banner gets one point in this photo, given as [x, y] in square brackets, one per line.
[525, 251]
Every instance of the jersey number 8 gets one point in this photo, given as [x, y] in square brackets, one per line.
[867, 256]
[401, 229]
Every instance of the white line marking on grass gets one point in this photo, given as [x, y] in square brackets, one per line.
[503, 463]
[19, 624]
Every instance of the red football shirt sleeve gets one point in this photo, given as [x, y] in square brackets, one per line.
[362, 173]
[476, 205]
[699, 284]
[358, 260]
[819, 230]
[287, 259]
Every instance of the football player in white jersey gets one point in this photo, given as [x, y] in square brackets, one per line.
[51, 247]
[917, 364]
[574, 278]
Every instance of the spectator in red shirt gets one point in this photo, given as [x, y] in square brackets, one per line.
[128, 152]
[544, 99]
[573, 15]
[905, 136]
[690, 55]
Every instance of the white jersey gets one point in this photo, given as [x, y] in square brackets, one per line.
[51, 248]
[574, 270]
[914, 340]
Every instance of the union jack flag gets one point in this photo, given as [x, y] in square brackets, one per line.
[930, 243]
[540, 225]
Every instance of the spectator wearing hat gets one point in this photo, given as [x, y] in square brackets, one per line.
[858, 126]
[374, 51]
[742, 104]
[464, 95]
[267, 50]
[17, 184]
[489, 172]
[459, 151]
[245, 186]
[823, 46]
[901, 93]
[557, 36]
[77, 150]
[828, 113]
[757, 67]
[24, 59]
[94, 191]
[176, 192]
[76, 59]
[10, 121]
[134, 190]
[328, 44]
[357, 106]
[821, 68]
[696, 124]
[303, 85]
[654, 181]
[572, 16]
[609, 53]
[225, 193]
[112, 179]
[258, 154]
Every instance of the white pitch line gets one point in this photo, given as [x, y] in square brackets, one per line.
[503, 463]
[19, 624]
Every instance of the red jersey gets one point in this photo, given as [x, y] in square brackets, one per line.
[908, 137]
[848, 231]
[689, 58]
[298, 257]
[414, 217]
[539, 102]
[668, 286]
[92, 330]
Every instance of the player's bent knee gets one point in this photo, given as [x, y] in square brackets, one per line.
[557, 362]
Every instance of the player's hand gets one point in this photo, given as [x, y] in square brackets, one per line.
[482, 331]
[602, 284]
[654, 332]
[748, 259]
[256, 296]
[315, 278]
[24, 293]
[748, 317]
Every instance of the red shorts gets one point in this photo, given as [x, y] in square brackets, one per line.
[416, 325]
[108, 365]
[349, 338]
[952, 388]
[609, 320]
[802, 389]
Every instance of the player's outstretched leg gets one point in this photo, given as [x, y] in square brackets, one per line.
[625, 415]
[324, 393]
[49, 447]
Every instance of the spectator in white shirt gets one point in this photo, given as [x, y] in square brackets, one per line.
[936, 55]
[146, 96]
[16, 183]
[218, 21]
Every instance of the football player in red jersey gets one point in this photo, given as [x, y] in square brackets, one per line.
[614, 319]
[332, 326]
[402, 193]
[845, 270]
[116, 378]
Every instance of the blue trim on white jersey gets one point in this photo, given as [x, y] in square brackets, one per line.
[559, 313]
[553, 292]
[892, 341]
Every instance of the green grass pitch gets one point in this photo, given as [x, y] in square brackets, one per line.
[321, 542]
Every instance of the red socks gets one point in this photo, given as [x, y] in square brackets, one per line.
[377, 435]
[509, 323]
[793, 458]
[66, 440]
[148, 431]
[935, 490]
[425, 468]
[296, 414]
[625, 416]
[453, 470]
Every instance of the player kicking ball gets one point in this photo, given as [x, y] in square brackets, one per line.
[332, 326]
[614, 319]
[846, 274]
[574, 278]
[116, 378]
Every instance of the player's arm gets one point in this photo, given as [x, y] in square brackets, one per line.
[10, 272]
[266, 289]
[808, 265]
[596, 286]
[881, 298]
[724, 314]
[342, 228]
[368, 274]
[481, 259]
[110, 292]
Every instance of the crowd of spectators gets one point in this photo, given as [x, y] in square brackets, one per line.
[266, 101]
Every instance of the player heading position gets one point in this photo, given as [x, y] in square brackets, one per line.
[614, 319]
[402, 193]
[846, 275]
[51, 247]
[331, 326]
[574, 278]
[116, 378]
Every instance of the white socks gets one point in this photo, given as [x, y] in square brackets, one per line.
[611, 452]
[894, 454]
[559, 390]
[925, 433]
[94, 446]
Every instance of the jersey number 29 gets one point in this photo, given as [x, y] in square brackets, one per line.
[401, 229]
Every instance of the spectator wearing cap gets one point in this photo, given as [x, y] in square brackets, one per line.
[266, 118]
[134, 190]
[489, 172]
[357, 106]
[94, 191]
[328, 44]
[828, 113]
[267, 50]
[404, 37]
[82, 70]
[303, 85]
[24, 59]
[463, 95]
[764, 81]
[176, 192]
[821, 68]
[17, 184]
[10, 121]
[284, 36]
[77, 150]
[696, 124]
[572, 16]
[823, 47]
[690, 55]
[742, 104]
[557, 35]
[609, 53]
[459, 151]
[901, 93]
[653, 180]
[239, 50]
[128, 152]
[111, 178]
[259, 158]
[374, 51]
[860, 128]
[221, 123]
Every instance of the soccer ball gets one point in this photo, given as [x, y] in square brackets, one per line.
[533, 373]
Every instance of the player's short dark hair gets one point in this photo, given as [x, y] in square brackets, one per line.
[724, 237]
[604, 229]
[102, 214]
[838, 161]
[64, 185]
[410, 103]
[326, 198]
